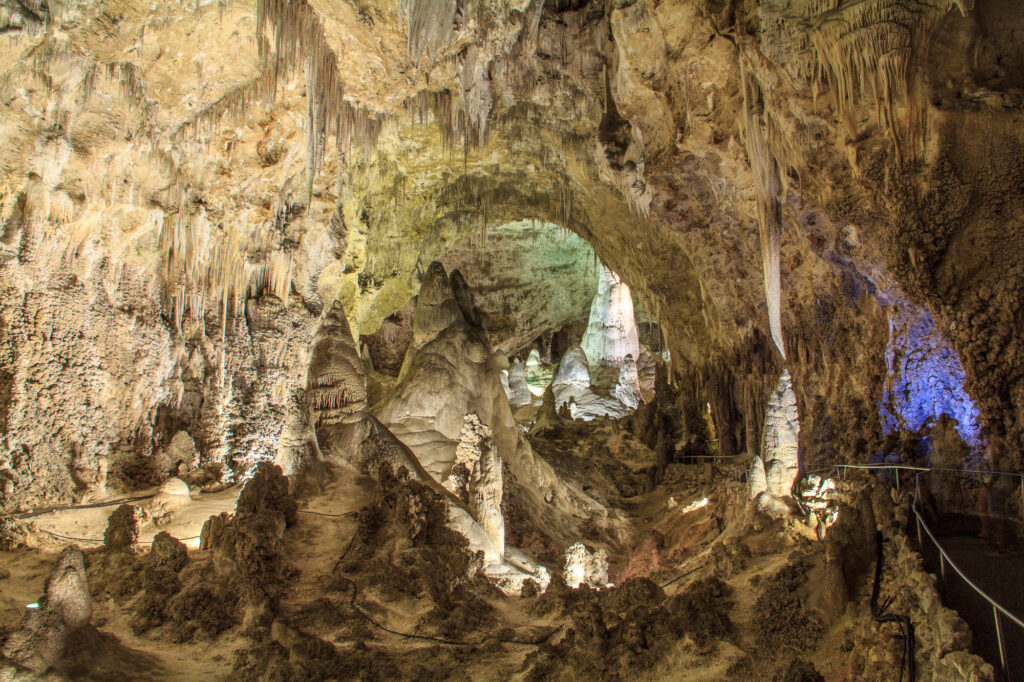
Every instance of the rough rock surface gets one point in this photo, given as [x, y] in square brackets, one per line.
[572, 379]
[528, 278]
[65, 607]
[780, 450]
[611, 329]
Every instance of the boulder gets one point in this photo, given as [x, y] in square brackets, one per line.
[173, 495]
[65, 608]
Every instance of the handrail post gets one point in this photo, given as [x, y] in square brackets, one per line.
[942, 568]
[999, 639]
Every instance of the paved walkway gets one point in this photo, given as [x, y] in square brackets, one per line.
[1001, 576]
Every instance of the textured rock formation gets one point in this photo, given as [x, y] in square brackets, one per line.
[583, 567]
[485, 494]
[172, 496]
[924, 377]
[451, 376]
[572, 380]
[775, 471]
[528, 278]
[611, 330]
[627, 388]
[662, 148]
[187, 190]
[65, 608]
[518, 392]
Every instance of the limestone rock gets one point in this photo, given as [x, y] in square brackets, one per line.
[611, 330]
[182, 453]
[780, 439]
[436, 306]
[961, 666]
[529, 277]
[336, 383]
[174, 494]
[66, 607]
[485, 493]
[123, 528]
[573, 376]
[519, 391]
[627, 390]
[583, 567]
[756, 477]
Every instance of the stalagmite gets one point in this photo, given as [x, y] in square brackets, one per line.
[583, 567]
[627, 390]
[611, 332]
[519, 390]
[780, 439]
[573, 377]
[485, 489]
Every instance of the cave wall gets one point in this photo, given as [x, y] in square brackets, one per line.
[170, 171]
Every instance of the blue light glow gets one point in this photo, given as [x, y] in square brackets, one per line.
[925, 377]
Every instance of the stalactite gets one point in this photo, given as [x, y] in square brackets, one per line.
[430, 24]
[299, 41]
[868, 50]
[768, 188]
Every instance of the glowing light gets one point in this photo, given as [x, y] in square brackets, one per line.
[925, 377]
[33, 605]
[695, 505]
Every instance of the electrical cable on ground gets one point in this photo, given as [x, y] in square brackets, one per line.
[880, 615]
[680, 577]
[430, 638]
[93, 505]
[331, 516]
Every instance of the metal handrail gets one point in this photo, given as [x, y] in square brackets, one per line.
[931, 535]
[956, 568]
[944, 557]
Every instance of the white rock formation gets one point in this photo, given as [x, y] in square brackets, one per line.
[611, 331]
[627, 390]
[584, 568]
[519, 391]
[573, 377]
[533, 366]
[756, 478]
[173, 495]
[485, 488]
[182, 453]
[780, 440]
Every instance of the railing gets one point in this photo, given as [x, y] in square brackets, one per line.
[944, 557]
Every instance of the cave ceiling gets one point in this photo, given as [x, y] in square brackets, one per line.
[767, 177]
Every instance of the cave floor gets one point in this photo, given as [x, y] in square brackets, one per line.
[689, 538]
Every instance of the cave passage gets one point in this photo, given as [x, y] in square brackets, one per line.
[511, 339]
